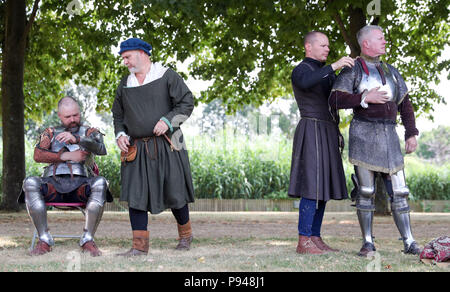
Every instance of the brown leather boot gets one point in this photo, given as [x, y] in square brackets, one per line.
[140, 244]
[185, 236]
[91, 248]
[322, 245]
[40, 249]
[307, 246]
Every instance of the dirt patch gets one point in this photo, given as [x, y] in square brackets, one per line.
[227, 224]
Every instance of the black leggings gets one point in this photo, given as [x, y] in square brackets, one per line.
[139, 219]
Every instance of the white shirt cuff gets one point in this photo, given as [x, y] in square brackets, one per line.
[363, 100]
[122, 134]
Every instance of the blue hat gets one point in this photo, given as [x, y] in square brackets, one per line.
[135, 44]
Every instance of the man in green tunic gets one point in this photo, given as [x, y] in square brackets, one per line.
[150, 105]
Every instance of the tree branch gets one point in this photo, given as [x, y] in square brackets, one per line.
[344, 33]
[30, 21]
[340, 23]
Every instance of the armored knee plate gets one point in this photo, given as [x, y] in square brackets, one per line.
[94, 208]
[366, 189]
[399, 200]
[32, 186]
[36, 208]
[99, 187]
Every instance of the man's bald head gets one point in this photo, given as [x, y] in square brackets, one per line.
[67, 101]
[69, 112]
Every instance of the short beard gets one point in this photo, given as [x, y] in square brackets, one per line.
[133, 70]
[138, 67]
[73, 127]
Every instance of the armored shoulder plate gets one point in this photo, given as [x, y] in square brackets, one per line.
[348, 79]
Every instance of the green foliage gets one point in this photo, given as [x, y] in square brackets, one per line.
[62, 47]
[241, 168]
[435, 145]
[427, 181]
[247, 48]
[109, 165]
[258, 170]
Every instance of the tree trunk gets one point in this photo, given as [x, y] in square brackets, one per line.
[13, 103]
[357, 21]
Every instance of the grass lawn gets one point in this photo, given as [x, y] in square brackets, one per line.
[224, 242]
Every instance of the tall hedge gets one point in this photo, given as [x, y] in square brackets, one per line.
[235, 167]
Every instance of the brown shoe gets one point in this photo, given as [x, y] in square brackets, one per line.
[322, 245]
[307, 246]
[185, 236]
[91, 248]
[140, 244]
[40, 249]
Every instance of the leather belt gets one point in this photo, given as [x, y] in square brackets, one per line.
[155, 147]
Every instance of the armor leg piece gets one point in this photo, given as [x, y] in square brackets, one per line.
[94, 209]
[400, 211]
[365, 202]
[36, 208]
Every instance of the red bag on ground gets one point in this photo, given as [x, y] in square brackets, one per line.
[438, 250]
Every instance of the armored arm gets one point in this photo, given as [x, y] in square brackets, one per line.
[93, 142]
[343, 95]
[42, 152]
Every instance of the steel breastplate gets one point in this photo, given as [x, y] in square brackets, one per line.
[56, 146]
[75, 168]
[373, 80]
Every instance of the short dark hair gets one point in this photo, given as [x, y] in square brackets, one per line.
[310, 36]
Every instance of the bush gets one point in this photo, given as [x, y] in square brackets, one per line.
[109, 165]
[227, 167]
[240, 168]
[427, 181]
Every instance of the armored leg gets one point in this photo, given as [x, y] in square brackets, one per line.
[94, 209]
[400, 211]
[36, 208]
[365, 201]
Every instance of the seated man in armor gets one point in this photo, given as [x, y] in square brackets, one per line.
[377, 92]
[70, 176]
